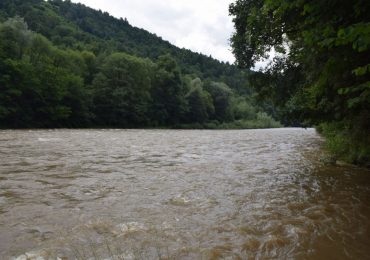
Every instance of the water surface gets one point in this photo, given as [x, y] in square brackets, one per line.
[157, 194]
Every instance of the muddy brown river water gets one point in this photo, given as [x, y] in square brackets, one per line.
[172, 194]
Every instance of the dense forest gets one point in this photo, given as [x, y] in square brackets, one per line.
[321, 72]
[67, 65]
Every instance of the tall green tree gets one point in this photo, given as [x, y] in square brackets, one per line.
[121, 91]
[222, 100]
[168, 92]
[37, 89]
[328, 43]
[200, 103]
[67, 65]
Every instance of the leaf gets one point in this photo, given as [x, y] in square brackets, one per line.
[343, 91]
[353, 102]
[360, 71]
[307, 9]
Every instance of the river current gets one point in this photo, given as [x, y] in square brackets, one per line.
[178, 194]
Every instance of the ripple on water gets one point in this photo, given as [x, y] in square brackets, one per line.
[151, 194]
[179, 201]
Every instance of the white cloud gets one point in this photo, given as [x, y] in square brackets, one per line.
[200, 25]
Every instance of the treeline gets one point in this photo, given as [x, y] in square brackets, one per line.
[44, 85]
[321, 73]
[77, 27]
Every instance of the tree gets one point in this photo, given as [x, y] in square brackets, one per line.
[200, 103]
[16, 38]
[36, 88]
[60, 66]
[327, 46]
[168, 92]
[121, 91]
[222, 98]
[243, 109]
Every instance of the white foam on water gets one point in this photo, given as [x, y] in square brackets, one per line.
[179, 201]
[41, 139]
[129, 227]
[32, 255]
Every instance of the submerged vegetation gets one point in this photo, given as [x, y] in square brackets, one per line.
[321, 73]
[66, 65]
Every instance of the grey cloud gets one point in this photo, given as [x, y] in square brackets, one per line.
[202, 26]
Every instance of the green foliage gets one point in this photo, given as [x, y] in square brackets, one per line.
[322, 73]
[262, 121]
[121, 91]
[78, 27]
[222, 100]
[243, 109]
[200, 102]
[37, 87]
[15, 38]
[168, 92]
[345, 143]
[66, 65]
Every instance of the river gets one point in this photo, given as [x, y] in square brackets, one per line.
[178, 194]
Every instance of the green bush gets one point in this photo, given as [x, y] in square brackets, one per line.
[346, 143]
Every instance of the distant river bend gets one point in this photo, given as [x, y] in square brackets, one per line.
[158, 194]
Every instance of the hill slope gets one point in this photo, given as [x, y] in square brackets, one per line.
[76, 26]
[67, 65]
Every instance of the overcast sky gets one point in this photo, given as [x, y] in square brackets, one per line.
[199, 25]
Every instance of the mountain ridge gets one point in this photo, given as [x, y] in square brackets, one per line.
[67, 65]
[95, 28]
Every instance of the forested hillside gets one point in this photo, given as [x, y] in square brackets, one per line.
[322, 72]
[67, 65]
[76, 26]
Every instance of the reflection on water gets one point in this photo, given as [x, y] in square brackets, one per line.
[153, 194]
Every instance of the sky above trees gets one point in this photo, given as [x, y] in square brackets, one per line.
[202, 26]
